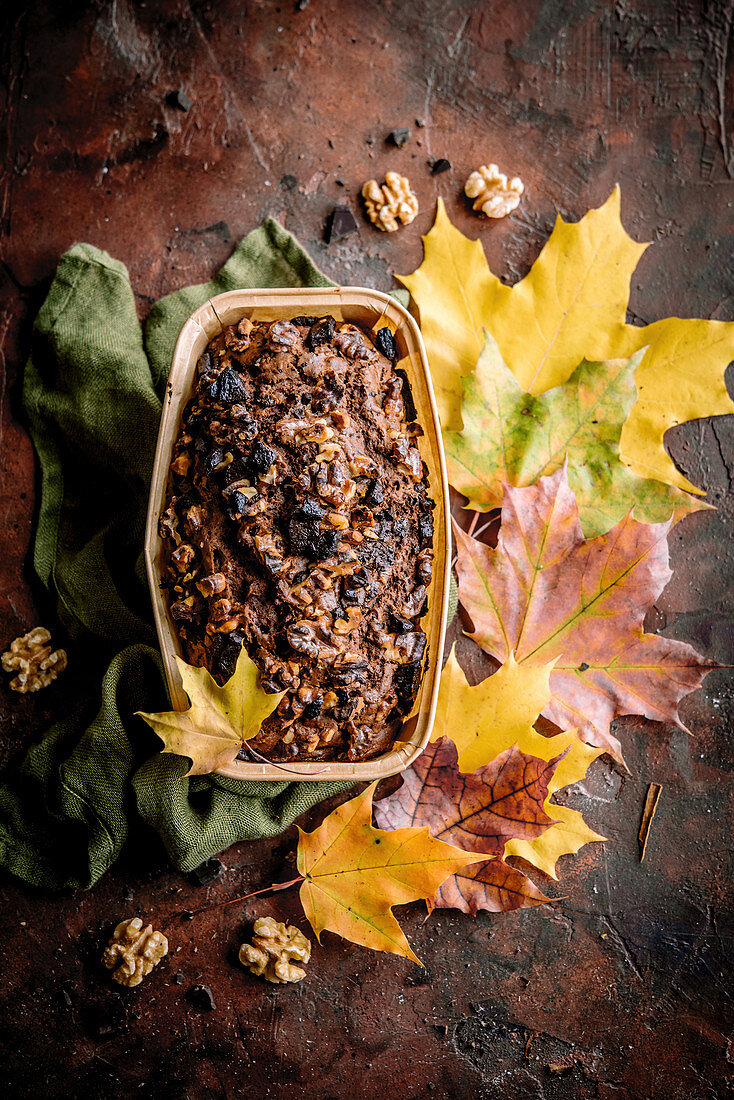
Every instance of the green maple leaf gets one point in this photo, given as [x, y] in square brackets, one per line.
[512, 437]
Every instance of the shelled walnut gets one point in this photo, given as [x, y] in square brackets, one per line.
[272, 951]
[133, 951]
[493, 194]
[33, 659]
[392, 204]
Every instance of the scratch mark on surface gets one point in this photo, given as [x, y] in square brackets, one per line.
[722, 35]
[454, 46]
[619, 941]
[14, 43]
[256, 149]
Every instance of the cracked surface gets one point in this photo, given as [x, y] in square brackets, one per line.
[626, 982]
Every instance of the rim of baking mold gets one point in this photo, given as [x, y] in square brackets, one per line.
[370, 309]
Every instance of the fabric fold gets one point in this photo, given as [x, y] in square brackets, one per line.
[92, 393]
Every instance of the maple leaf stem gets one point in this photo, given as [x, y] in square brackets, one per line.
[280, 767]
[231, 901]
[483, 528]
[473, 524]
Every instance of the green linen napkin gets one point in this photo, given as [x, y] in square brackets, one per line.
[92, 392]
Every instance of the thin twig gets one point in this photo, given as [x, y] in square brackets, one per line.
[473, 524]
[265, 890]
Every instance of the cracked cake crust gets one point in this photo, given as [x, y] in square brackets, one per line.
[298, 523]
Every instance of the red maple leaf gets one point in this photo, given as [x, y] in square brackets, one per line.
[548, 594]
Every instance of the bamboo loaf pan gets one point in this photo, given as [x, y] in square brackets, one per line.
[371, 310]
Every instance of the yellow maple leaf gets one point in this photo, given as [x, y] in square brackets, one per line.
[496, 714]
[455, 293]
[501, 708]
[570, 831]
[354, 874]
[570, 306]
[572, 303]
[211, 732]
[680, 378]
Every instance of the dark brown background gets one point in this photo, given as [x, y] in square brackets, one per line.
[626, 979]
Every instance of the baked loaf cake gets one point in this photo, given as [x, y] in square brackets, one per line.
[297, 523]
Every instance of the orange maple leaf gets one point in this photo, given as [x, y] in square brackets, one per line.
[354, 874]
[480, 812]
[551, 595]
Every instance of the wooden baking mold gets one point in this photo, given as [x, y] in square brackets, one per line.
[370, 309]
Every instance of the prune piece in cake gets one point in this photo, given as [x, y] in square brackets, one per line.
[396, 625]
[313, 709]
[406, 681]
[385, 343]
[239, 505]
[302, 535]
[425, 528]
[224, 654]
[400, 528]
[377, 553]
[237, 470]
[260, 458]
[312, 509]
[213, 459]
[375, 493]
[321, 333]
[308, 540]
[228, 388]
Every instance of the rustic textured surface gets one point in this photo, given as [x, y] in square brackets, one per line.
[622, 989]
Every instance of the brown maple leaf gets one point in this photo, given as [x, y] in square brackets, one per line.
[478, 812]
[551, 595]
[495, 886]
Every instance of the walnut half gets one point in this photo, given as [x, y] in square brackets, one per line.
[34, 661]
[133, 951]
[273, 948]
[493, 194]
[392, 204]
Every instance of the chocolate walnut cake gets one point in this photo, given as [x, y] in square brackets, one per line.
[297, 523]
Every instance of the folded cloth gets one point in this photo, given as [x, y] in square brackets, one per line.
[92, 392]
